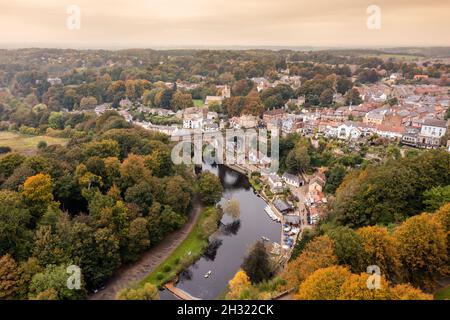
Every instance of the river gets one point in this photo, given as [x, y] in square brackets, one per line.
[228, 246]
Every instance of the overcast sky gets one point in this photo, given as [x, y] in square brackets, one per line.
[210, 23]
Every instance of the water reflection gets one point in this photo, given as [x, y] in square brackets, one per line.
[230, 243]
[230, 229]
[211, 251]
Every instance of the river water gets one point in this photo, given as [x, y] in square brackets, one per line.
[228, 246]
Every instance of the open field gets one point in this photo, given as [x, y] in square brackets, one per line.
[26, 144]
[198, 103]
[443, 294]
[401, 57]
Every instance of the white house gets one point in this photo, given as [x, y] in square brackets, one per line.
[433, 128]
[276, 184]
[192, 121]
[292, 180]
[348, 131]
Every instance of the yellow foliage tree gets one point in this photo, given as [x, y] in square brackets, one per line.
[324, 284]
[318, 253]
[356, 288]
[442, 217]
[236, 285]
[148, 292]
[38, 189]
[407, 292]
[422, 246]
[380, 249]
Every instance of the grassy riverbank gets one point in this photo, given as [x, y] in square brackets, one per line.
[189, 250]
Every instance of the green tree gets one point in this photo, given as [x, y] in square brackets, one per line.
[436, 197]
[257, 264]
[209, 188]
[348, 248]
[14, 218]
[55, 277]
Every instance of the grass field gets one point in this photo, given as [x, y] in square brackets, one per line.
[443, 294]
[26, 144]
[198, 103]
[401, 57]
[185, 254]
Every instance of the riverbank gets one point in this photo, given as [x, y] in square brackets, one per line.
[151, 259]
[188, 251]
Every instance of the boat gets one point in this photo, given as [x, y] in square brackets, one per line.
[208, 274]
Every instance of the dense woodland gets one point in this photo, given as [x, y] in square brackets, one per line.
[97, 203]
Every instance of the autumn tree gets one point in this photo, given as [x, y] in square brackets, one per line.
[37, 192]
[147, 292]
[324, 284]
[407, 292]
[237, 285]
[181, 101]
[380, 249]
[9, 277]
[422, 247]
[253, 104]
[138, 239]
[356, 288]
[232, 208]
[133, 171]
[317, 254]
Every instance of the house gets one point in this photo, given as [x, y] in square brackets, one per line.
[292, 219]
[213, 99]
[275, 183]
[292, 180]
[209, 126]
[226, 93]
[244, 122]
[192, 121]
[348, 130]
[275, 114]
[433, 128]
[420, 77]
[125, 103]
[375, 116]
[282, 206]
[317, 183]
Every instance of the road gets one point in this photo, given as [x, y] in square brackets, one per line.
[151, 259]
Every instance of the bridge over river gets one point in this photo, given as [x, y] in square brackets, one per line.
[179, 293]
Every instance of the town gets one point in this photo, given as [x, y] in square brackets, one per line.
[359, 140]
